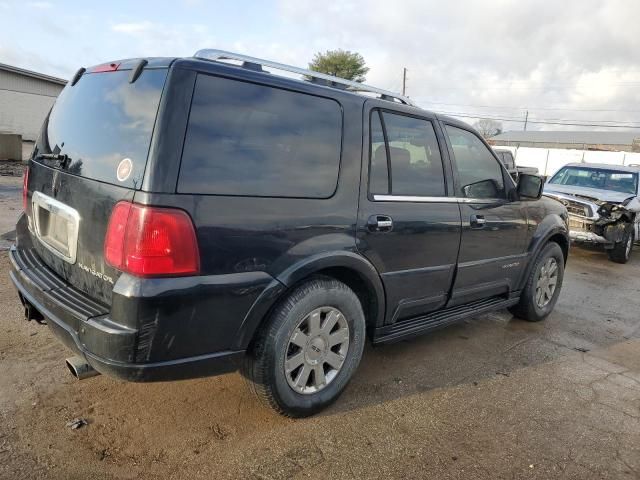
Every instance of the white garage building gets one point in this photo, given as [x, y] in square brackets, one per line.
[25, 100]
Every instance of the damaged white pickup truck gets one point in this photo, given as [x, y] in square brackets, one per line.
[603, 204]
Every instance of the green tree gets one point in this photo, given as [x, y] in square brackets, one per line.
[340, 63]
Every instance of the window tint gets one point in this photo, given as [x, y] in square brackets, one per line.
[508, 160]
[247, 139]
[479, 173]
[101, 121]
[416, 165]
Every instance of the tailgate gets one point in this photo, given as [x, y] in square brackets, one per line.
[91, 154]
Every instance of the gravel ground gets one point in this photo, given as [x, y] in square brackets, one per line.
[493, 397]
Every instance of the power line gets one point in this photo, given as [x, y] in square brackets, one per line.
[564, 107]
[498, 116]
[525, 84]
[541, 122]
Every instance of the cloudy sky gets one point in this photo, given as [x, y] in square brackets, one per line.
[566, 62]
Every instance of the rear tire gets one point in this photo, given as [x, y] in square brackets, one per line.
[303, 357]
[543, 285]
[621, 251]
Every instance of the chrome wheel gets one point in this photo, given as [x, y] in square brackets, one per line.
[629, 245]
[547, 281]
[316, 350]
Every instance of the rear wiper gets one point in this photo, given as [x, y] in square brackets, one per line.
[62, 160]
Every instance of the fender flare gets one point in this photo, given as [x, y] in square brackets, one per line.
[303, 269]
[539, 240]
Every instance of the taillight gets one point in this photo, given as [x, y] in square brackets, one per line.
[25, 188]
[151, 241]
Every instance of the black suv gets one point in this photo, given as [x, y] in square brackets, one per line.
[193, 216]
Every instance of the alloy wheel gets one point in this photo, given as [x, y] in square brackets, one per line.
[547, 282]
[316, 350]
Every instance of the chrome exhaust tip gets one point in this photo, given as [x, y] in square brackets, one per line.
[80, 369]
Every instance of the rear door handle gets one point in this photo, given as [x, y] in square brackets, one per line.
[478, 221]
[380, 223]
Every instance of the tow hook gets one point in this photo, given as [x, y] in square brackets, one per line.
[31, 313]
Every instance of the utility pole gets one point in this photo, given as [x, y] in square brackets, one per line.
[404, 81]
[526, 119]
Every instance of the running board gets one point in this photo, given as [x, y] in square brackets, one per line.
[432, 321]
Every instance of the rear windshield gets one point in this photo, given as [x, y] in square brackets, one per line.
[615, 180]
[101, 122]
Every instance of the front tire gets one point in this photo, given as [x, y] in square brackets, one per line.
[543, 286]
[621, 251]
[309, 348]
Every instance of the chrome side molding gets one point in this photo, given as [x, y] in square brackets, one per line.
[418, 199]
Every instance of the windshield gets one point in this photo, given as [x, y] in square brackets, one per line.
[614, 180]
[99, 123]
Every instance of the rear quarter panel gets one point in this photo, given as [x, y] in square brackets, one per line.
[242, 233]
[240, 236]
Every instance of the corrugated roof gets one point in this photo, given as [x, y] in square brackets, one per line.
[578, 137]
[30, 73]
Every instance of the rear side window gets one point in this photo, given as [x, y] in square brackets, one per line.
[379, 178]
[411, 152]
[253, 140]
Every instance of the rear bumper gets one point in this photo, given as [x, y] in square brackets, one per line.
[85, 327]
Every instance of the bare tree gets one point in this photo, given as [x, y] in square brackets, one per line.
[487, 127]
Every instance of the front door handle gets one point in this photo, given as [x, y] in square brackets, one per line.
[478, 221]
[380, 223]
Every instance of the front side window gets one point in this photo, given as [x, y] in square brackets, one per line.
[508, 160]
[479, 173]
[255, 140]
[405, 159]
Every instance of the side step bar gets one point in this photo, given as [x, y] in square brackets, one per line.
[432, 321]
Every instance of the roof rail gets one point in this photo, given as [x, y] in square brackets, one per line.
[328, 80]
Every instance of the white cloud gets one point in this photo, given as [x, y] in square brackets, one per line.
[133, 28]
[158, 39]
[40, 5]
[500, 57]
[579, 54]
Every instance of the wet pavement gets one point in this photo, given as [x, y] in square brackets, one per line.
[493, 397]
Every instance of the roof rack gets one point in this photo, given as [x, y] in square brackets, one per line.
[316, 77]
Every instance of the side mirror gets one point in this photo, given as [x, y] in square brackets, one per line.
[530, 186]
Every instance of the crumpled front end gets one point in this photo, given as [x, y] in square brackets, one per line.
[595, 221]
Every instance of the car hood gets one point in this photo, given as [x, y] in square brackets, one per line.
[586, 193]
